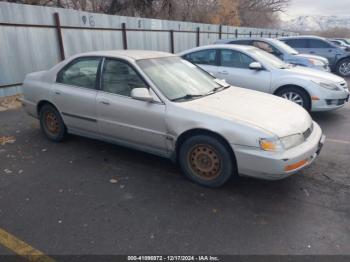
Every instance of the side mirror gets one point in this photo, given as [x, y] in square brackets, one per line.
[255, 66]
[142, 94]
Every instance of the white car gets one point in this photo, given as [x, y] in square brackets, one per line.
[250, 67]
[162, 104]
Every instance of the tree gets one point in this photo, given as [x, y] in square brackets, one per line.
[261, 13]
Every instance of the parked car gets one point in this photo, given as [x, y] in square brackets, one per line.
[253, 68]
[162, 104]
[341, 43]
[339, 59]
[282, 51]
[345, 40]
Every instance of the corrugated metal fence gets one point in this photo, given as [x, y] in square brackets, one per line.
[34, 38]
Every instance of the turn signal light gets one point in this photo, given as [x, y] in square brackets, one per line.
[295, 165]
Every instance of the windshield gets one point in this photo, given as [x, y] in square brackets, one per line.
[268, 59]
[178, 79]
[289, 50]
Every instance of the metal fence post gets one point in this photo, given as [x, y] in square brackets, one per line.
[277, 35]
[59, 35]
[250, 34]
[261, 34]
[220, 31]
[172, 41]
[198, 37]
[236, 33]
[125, 39]
[270, 35]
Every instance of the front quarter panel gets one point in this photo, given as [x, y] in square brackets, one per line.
[180, 120]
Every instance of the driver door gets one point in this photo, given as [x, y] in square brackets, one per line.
[234, 68]
[124, 119]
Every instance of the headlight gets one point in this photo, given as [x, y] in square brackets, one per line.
[292, 141]
[329, 86]
[316, 62]
[284, 143]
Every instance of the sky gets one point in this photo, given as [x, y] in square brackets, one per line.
[317, 7]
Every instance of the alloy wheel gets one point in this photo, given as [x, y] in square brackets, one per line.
[344, 68]
[294, 97]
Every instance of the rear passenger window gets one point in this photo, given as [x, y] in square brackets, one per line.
[319, 44]
[81, 72]
[120, 78]
[204, 57]
[297, 43]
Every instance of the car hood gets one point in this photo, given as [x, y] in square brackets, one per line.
[316, 57]
[314, 74]
[275, 115]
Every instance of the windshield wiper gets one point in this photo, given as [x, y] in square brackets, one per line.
[186, 97]
[217, 89]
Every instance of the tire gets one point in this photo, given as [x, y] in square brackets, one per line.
[51, 123]
[343, 67]
[296, 95]
[206, 161]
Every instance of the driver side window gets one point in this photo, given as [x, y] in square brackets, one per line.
[232, 58]
[267, 48]
[119, 78]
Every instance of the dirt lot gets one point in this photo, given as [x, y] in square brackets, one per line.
[88, 197]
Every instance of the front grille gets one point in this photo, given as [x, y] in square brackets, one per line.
[308, 132]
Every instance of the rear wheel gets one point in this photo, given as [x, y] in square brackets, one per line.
[51, 123]
[296, 95]
[343, 67]
[206, 161]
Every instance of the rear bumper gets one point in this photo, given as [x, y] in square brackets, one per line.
[257, 163]
[30, 107]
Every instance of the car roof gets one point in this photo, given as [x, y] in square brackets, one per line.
[244, 48]
[302, 37]
[130, 54]
[248, 38]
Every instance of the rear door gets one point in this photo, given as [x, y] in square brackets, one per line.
[74, 94]
[234, 68]
[124, 119]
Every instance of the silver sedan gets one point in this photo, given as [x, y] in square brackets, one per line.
[252, 68]
[162, 104]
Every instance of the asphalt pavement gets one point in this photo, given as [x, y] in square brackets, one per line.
[89, 197]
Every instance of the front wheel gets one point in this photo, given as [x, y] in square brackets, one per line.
[343, 67]
[295, 95]
[206, 161]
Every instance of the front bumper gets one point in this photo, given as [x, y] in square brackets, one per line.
[257, 163]
[332, 101]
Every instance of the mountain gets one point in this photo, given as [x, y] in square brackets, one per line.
[316, 22]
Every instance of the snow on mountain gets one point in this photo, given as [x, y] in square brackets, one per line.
[316, 22]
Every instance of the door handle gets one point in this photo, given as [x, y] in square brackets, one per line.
[224, 72]
[104, 102]
[57, 92]
[312, 52]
